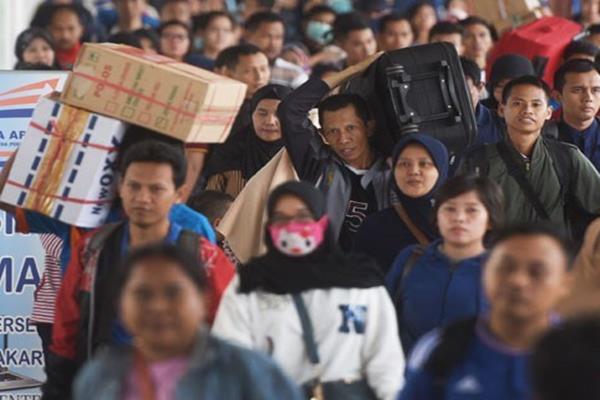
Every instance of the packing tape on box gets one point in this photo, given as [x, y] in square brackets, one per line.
[55, 152]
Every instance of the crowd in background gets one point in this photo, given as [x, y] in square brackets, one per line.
[409, 272]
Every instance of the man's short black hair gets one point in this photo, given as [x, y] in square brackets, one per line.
[390, 19]
[128, 38]
[349, 22]
[537, 229]
[154, 151]
[525, 80]
[149, 34]
[262, 17]
[565, 363]
[475, 20]
[182, 258]
[446, 28]
[230, 57]
[471, 70]
[575, 66]
[339, 101]
[211, 203]
[593, 29]
[580, 47]
[66, 7]
[316, 10]
[202, 21]
[174, 22]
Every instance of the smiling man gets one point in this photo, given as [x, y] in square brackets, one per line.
[577, 84]
[338, 158]
[540, 177]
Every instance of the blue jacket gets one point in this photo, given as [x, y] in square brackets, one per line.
[217, 370]
[489, 126]
[490, 371]
[588, 140]
[435, 292]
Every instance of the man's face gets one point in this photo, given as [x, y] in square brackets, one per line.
[525, 110]
[477, 41]
[359, 45]
[397, 35]
[269, 38]
[253, 70]
[66, 29]
[453, 38]
[580, 97]
[525, 277]
[348, 136]
[174, 42]
[148, 192]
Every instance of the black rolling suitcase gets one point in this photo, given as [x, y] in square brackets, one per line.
[419, 88]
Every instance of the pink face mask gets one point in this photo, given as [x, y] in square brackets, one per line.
[298, 239]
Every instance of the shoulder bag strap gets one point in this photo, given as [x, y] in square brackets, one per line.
[416, 232]
[519, 175]
[307, 329]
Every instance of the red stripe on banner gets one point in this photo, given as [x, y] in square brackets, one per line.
[65, 199]
[57, 134]
[37, 85]
[20, 101]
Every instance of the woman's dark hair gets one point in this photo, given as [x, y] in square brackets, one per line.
[154, 151]
[29, 35]
[488, 192]
[182, 258]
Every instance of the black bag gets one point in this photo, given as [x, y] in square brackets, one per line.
[332, 390]
[418, 88]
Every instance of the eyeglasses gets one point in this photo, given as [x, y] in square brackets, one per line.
[174, 36]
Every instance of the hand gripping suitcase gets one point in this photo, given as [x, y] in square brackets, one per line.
[542, 41]
[420, 89]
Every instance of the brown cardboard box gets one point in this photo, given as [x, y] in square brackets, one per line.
[505, 14]
[157, 92]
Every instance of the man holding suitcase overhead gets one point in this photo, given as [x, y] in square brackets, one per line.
[338, 158]
[543, 179]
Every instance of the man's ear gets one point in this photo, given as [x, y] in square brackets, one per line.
[549, 111]
[501, 110]
[320, 132]
[224, 71]
[179, 194]
[556, 95]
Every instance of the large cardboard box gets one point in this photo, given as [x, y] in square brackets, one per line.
[176, 99]
[65, 165]
[506, 14]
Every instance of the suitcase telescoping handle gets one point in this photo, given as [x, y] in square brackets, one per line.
[399, 83]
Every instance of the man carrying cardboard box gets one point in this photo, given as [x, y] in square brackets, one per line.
[151, 177]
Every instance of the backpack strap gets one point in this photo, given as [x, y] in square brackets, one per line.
[189, 241]
[97, 240]
[416, 253]
[518, 174]
[414, 229]
[451, 350]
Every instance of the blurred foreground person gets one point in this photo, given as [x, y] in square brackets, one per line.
[163, 303]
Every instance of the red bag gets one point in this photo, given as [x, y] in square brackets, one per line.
[542, 41]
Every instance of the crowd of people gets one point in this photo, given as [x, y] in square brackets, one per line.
[402, 273]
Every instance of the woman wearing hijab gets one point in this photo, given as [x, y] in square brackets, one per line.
[232, 164]
[435, 285]
[162, 299]
[34, 46]
[306, 290]
[420, 167]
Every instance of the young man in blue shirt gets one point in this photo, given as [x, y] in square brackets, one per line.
[577, 85]
[488, 357]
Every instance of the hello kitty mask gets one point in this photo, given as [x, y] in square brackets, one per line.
[298, 239]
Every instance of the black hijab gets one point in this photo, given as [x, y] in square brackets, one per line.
[420, 209]
[247, 152]
[324, 268]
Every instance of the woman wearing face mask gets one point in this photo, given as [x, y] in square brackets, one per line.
[162, 301]
[420, 167]
[351, 316]
[434, 285]
[232, 164]
[34, 46]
